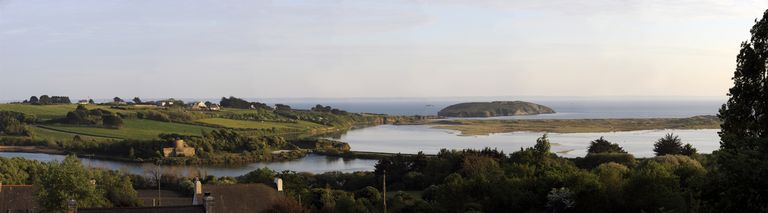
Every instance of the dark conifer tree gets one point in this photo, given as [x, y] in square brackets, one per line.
[743, 156]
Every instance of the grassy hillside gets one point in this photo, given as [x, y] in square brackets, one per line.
[243, 124]
[41, 111]
[53, 135]
[47, 112]
[147, 122]
[134, 129]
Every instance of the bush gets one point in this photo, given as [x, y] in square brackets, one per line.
[604, 146]
[592, 160]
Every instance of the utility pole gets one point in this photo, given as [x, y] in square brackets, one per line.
[385, 191]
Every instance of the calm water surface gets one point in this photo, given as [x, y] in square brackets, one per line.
[311, 163]
[415, 138]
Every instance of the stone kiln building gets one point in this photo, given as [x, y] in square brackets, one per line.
[179, 149]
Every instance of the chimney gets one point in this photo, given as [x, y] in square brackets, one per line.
[72, 206]
[198, 187]
[197, 198]
[208, 202]
[1, 186]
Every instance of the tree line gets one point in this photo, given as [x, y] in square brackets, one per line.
[98, 117]
[237, 103]
[46, 100]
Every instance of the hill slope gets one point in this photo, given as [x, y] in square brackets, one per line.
[492, 109]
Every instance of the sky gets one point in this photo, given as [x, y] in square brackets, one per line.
[357, 48]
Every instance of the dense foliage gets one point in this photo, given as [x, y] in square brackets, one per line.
[45, 100]
[15, 123]
[59, 182]
[604, 146]
[96, 117]
[743, 156]
[671, 144]
[171, 115]
[529, 180]
[328, 109]
[233, 102]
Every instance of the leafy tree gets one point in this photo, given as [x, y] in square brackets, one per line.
[653, 187]
[263, 175]
[137, 100]
[44, 99]
[66, 181]
[233, 102]
[593, 160]
[613, 177]
[33, 100]
[112, 121]
[670, 144]
[15, 123]
[90, 101]
[560, 200]
[117, 99]
[117, 188]
[370, 193]
[688, 150]
[604, 146]
[542, 145]
[20, 170]
[476, 166]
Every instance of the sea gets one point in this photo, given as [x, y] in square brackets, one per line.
[565, 107]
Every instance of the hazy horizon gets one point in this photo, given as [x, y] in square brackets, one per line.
[273, 100]
[362, 49]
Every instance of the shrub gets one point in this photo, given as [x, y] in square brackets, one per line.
[592, 160]
[604, 146]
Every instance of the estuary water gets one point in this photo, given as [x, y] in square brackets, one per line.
[414, 138]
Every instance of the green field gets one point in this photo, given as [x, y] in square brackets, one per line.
[237, 111]
[47, 111]
[241, 124]
[41, 111]
[53, 135]
[134, 129]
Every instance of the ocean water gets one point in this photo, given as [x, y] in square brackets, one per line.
[566, 107]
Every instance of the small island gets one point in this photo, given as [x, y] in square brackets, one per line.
[493, 109]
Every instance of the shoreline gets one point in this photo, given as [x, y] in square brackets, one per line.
[487, 127]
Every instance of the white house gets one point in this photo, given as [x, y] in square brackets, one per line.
[199, 106]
